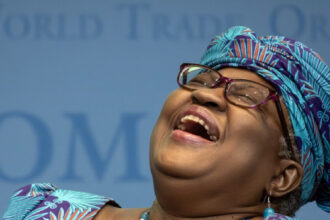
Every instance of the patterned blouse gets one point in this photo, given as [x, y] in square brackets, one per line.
[46, 202]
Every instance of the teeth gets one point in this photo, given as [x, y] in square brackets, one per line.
[190, 117]
[182, 127]
[213, 138]
[197, 120]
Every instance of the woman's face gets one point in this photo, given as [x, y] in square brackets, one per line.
[236, 158]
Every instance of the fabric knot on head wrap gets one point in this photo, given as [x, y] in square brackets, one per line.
[302, 79]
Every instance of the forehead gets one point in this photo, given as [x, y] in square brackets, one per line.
[241, 73]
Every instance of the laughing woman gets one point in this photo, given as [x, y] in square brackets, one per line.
[246, 136]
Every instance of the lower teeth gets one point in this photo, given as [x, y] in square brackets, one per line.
[181, 127]
[213, 138]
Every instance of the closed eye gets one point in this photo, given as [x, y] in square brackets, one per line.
[203, 79]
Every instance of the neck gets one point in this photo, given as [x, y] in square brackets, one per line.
[157, 212]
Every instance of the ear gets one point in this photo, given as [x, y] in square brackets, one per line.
[287, 178]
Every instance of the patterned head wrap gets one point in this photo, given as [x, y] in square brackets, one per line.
[302, 78]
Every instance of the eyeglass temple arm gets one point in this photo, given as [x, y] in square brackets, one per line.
[184, 78]
[284, 127]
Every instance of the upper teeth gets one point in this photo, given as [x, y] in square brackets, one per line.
[197, 120]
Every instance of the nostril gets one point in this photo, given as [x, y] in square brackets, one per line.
[211, 104]
[195, 100]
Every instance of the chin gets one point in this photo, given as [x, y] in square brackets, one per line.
[176, 161]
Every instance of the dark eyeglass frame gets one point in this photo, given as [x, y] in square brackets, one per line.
[273, 95]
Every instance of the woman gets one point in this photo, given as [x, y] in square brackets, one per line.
[246, 133]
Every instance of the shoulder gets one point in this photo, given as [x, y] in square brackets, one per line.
[46, 201]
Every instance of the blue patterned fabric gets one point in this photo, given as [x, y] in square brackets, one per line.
[276, 216]
[46, 201]
[302, 78]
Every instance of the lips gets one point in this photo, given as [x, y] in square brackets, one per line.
[196, 125]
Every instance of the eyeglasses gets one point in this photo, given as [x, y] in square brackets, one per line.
[240, 92]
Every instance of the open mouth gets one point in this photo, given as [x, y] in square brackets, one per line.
[198, 125]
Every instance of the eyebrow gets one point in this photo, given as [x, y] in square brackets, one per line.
[253, 80]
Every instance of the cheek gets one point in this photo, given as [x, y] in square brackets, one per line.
[243, 166]
[172, 104]
[176, 99]
[253, 138]
[249, 127]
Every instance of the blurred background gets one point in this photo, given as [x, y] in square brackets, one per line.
[83, 81]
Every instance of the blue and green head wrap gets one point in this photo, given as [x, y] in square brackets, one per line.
[302, 79]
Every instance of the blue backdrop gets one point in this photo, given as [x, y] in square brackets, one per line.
[82, 82]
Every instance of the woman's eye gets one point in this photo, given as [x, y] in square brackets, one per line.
[202, 79]
[196, 80]
[247, 96]
[246, 93]
[246, 99]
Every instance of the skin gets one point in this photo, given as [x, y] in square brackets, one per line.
[226, 179]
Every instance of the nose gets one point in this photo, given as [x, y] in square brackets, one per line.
[210, 97]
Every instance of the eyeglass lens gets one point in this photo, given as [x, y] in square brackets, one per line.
[241, 92]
